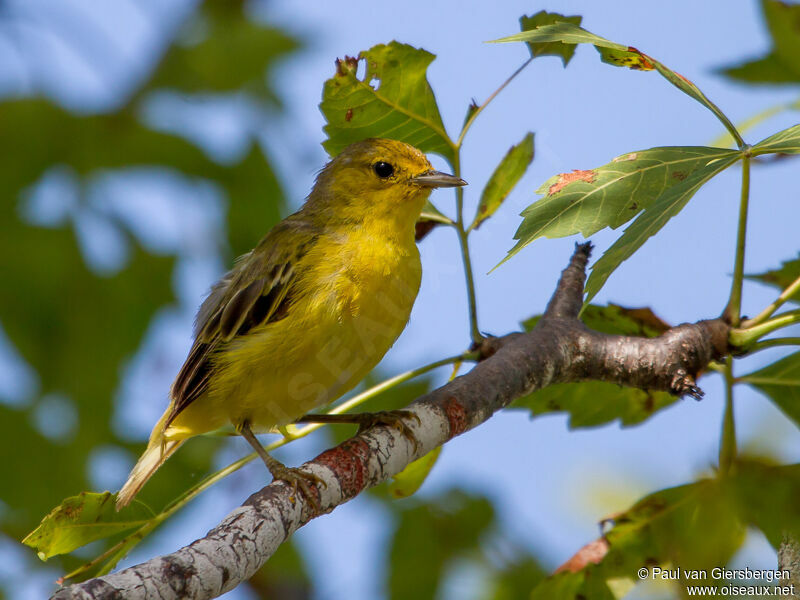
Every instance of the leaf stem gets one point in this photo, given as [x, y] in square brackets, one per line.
[772, 343]
[743, 338]
[128, 542]
[765, 314]
[486, 102]
[732, 312]
[727, 446]
[463, 241]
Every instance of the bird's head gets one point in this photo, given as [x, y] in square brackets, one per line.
[379, 176]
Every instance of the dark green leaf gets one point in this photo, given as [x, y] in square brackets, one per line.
[781, 278]
[593, 403]
[783, 142]
[780, 381]
[81, 519]
[394, 99]
[284, 575]
[565, 51]
[697, 526]
[620, 56]
[515, 580]
[780, 65]
[616, 320]
[430, 536]
[655, 216]
[610, 195]
[233, 53]
[505, 177]
[767, 498]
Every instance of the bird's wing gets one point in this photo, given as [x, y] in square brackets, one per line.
[257, 290]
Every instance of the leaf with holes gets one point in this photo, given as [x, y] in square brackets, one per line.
[781, 64]
[610, 195]
[393, 99]
[565, 51]
[505, 177]
[780, 381]
[81, 519]
[650, 222]
[621, 56]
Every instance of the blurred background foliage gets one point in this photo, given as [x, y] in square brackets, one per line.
[85, 275]
[109, 205]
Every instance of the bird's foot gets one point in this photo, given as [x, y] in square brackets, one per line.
[306, 482]
[395, 419]
[296, 478]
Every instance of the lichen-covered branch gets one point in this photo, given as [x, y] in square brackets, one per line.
[559, 349]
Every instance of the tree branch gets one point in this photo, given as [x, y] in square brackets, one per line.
[559, 349]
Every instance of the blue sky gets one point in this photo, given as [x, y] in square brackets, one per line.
[552, 485]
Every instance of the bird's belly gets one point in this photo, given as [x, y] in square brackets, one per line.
[336, 341]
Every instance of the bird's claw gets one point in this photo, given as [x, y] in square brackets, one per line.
[302, 480]
[394, 419]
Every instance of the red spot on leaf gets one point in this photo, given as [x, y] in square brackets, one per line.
[684, 78]
[679, 175]
[349, 114]
[591, 554]
[348, 461]
[646, 63]
[456, 416]
[564, 179]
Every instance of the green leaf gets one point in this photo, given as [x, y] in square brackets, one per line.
[780, 382]
[234, 53]
[655, 216]
[767, 498]
[781, 278]
[284, 575]
[594, 403]
[725, 140]
[430, 536]
[615, 320]
[783, 142]
[620, 56]
[505, 177]
[431, 213]
[610, 195]
[410, 479]
[394, 99]
[514, 580]
[81, 519]
[565, 51]
[697, 526]
[780, 65]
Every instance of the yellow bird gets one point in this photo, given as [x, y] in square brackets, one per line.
[307, 313]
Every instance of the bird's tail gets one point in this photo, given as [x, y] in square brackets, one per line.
[159, 449]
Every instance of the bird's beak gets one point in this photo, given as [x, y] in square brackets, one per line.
[437, 179]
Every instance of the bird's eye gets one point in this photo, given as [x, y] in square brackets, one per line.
[383, 169]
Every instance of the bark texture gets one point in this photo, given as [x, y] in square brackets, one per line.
[559, 349]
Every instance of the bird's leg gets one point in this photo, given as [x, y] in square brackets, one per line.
[391, 418]
[294, 477]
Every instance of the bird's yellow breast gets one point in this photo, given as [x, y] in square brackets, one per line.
[352, 300]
